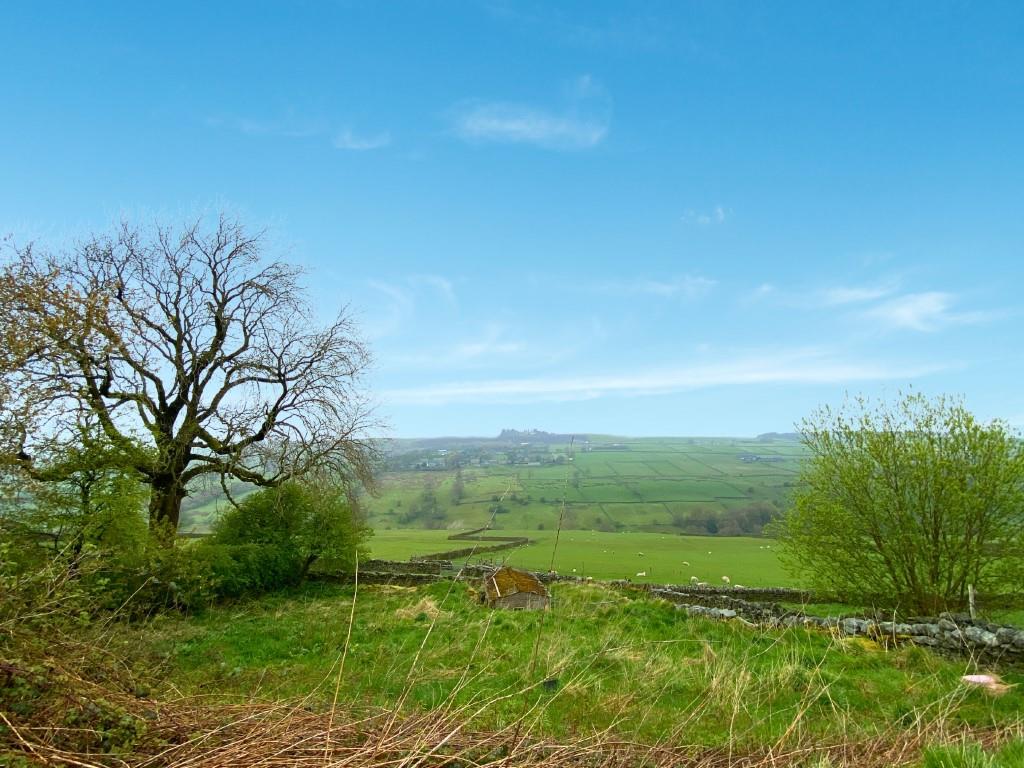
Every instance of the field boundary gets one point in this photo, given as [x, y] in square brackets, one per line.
[504, 542]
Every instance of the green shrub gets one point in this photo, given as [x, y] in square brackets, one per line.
[306, 523]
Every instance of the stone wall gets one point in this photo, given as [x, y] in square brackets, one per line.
[501, 543]
[949, 632]
[369, 577]
[405, 566]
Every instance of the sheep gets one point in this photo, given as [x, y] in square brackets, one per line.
[709, 551]
[641, 573]
[738, 586]
[726, 579]
[639, 554]
[694, 579]
[588, 578]
[703, 584]
[686, 563]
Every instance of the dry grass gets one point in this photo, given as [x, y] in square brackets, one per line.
[189, 734]
[426, 607]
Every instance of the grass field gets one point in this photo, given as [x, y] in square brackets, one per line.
[649, 484]
[655, 484]
[621, 497]
[637, 667]
[747, 561]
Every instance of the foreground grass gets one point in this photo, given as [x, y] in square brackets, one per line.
[598, 660]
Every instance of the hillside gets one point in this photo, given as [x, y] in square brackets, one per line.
[700, 486]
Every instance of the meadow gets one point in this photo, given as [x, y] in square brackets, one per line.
[681, 485]
[664, 558]
[597, 661]
[670, 485]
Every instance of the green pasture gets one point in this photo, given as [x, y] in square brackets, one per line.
[597, 659]
[642, 485]
[747, 561]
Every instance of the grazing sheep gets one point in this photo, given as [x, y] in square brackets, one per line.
[686, 563]
[694, 579]
[726, 579]
[574, 570]
[639, 554]
[588, 578]
[703, 584]
[709, 551]
[641, 573]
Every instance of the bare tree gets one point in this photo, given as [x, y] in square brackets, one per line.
[188, 340]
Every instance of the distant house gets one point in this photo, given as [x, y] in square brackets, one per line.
[515, 589]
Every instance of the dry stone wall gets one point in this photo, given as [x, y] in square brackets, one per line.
[948, 632]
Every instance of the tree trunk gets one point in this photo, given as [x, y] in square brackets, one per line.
[165, 508]
[306, 565]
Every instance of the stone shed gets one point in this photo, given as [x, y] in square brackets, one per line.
[514, 589]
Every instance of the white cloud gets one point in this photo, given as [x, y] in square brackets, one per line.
[582, 124]
[348, 140]
[442, 285]
[293, 126]
[492, 346]
[856, 294]
[290, 127]
[685, 286]
[792, 368]
[400, 300]
[928, 311]
[717, 215]
[518, 124]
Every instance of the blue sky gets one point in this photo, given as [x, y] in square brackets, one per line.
[635, 218]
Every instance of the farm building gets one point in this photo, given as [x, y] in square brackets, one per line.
[515, 589]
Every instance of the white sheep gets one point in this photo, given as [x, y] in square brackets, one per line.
[686, 563]
[641, 573]
[639, 554]
[726, 579]
[703, 584]
[588, 578]
[694, 579]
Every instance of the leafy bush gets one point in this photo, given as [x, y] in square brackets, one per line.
[306, 524]
[913, 503]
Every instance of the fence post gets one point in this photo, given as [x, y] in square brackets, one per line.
[970, 599]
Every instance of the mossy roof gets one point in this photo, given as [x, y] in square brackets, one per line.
[508, 581]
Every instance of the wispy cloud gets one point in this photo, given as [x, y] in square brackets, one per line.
[400, 300]
[442, 285]
[928, 311]
[347, 139]
[791, 368]
[856, 294]
[289, 126]
[488, 348]
[685, 286]
[582, 123]
[293, 126]
[717, 215]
